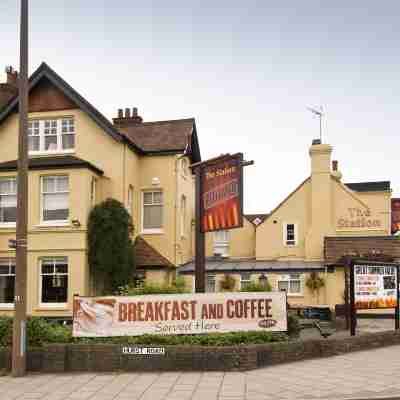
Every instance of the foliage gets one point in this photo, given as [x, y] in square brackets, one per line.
[227, 283]
[294, 327]
[314, 282]
[257, 287]
[39, 332]
[110, 247]
[178, 286]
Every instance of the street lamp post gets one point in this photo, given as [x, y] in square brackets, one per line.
[19, 326]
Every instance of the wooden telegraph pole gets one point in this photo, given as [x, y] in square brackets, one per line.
[19, 327]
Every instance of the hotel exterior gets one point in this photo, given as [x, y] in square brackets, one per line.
[78, 158]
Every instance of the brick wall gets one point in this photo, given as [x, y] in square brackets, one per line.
[106, 358]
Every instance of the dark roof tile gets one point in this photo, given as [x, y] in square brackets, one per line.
[147, 256]
[380, 186]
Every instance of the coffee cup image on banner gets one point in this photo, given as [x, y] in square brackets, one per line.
[94, 315]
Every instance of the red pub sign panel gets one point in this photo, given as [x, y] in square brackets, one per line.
[395, 215]
[222, 197]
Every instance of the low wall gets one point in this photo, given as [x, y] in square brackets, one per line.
[106, 358]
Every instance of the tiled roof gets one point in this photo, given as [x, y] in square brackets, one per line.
[256, 219]
[164, 136]
[147, 256]
[380, 186]
[336, 248]
[213, 265]
[52, 163]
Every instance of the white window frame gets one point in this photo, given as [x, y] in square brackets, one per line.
[11, 263]
[244, 280]
[183, 214]
[153, 230]
[285, 240]
[289, 278]
[53, 305]
[129, 201]
[59, 135]
[214, 275]
[9, 224]
[184, 167]
[222, 244]
[61, 222]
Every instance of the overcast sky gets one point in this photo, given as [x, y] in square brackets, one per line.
[246, 70]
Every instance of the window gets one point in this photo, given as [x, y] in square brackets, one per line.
[184, 167]
[290, 234]
[8, 201]
[210, 283]
[152, 211]
[7, 282]
[93, 188]
[129, 205]
[245, 280]
[183, 216]
[290, 283]
[221, 243]
[54, 281]
[51, 135]
[55, 199]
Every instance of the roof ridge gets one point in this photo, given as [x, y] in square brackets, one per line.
[166, 121]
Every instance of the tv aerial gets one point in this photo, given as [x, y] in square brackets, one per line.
[319, 113]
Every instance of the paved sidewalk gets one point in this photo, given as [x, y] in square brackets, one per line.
[361, 375]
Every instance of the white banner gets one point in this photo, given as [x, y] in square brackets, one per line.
[179, 314]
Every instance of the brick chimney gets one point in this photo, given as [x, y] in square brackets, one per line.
[126, 118]
[9, 89]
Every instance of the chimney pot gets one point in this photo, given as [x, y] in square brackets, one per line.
[12, 76]
[316, 141]
[127, 112]
[335, 165]
[134, 112]
[120, 113]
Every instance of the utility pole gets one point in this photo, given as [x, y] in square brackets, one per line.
[19, 326]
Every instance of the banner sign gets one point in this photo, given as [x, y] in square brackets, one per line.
[179, 314]
[395, 216]
[222, 197]
[375, 286]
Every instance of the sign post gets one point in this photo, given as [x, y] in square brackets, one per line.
[218, 203]
[373, 285]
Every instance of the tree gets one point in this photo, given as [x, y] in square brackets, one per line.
[110, 247]
[315, 283]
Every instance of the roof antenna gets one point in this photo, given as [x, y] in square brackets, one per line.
[319, 113]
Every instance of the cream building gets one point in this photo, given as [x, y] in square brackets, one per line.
[289, 244]
[77, 159]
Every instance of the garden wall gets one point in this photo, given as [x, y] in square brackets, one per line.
[106, 358]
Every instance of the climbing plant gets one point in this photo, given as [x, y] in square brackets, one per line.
[110, 247]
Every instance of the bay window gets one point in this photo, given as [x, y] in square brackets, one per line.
[55, 199]
[51, 135]
[7, 282]
[152, 211]
[8, 201]
[53, 283]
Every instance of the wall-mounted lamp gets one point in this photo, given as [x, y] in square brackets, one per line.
[76, 223]
[263, 280]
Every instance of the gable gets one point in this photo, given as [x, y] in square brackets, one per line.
[46, 97]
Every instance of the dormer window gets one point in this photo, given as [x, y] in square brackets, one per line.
[51, 135]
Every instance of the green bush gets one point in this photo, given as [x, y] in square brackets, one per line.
[39, 332]
[294, 327]
[178, 286]
[256, 287]
[227, 283]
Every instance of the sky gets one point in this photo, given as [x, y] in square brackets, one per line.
[246, 71]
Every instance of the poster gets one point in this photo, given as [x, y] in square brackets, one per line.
[221, 197]
[375, 286]
[179, 314]
[395, 216]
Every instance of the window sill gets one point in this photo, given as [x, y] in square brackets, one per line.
[152, 232]
[51, 153]
[10, 225]
[6, 306]
[295, 295]
[53, 225]
[53, 307]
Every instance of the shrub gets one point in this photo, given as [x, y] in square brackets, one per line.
[177, 287]
[256, 287]
[227, 283]
[315, 282]
[39, 331]
[110, 248]
[294, 327]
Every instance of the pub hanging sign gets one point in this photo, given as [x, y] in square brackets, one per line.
[222, 194]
